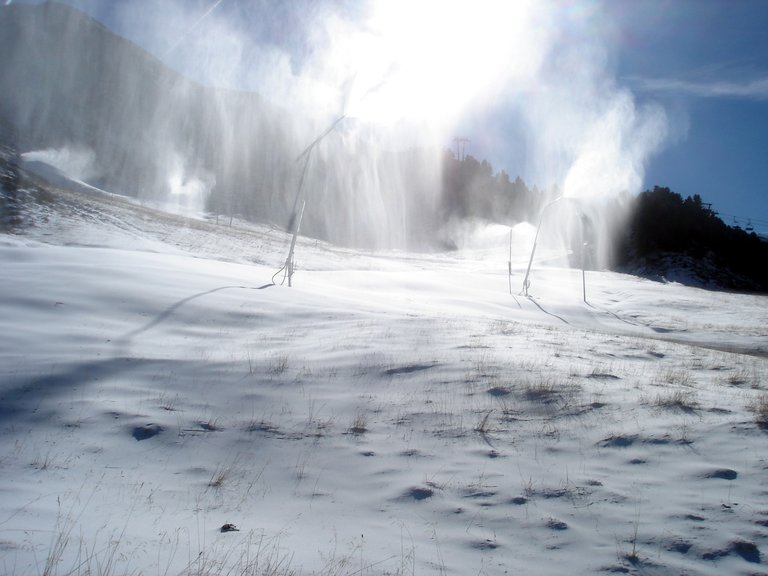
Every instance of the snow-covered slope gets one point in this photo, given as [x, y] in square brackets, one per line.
[72, 86]
[391, 413]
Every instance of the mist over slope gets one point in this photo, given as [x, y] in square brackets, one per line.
[74, 84]
[127, 123]
[103, 111]
[371, 102]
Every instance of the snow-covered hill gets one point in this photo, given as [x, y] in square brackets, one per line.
[75, 88]
[392, 413]
[134, 126]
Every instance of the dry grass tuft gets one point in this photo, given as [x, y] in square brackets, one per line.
[359, 425]
[219, 478]
[210, 425]
[549, 391]
[759, 408]
[743, 378]
[675, 376]
[544, 390]
[684, 400]
[278, 364]
[484, 425]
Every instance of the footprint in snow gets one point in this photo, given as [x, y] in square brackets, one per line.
[147, 431]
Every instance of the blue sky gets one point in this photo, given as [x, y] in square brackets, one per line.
[707, 62]
[704, 61]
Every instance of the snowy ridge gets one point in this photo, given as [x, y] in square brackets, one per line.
[390, 414]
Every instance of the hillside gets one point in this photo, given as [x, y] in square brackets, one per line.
[392, 413]
[138, 128]
[668, 237]
[74, 85]
[116, 118]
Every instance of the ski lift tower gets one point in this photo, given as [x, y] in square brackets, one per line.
[461, 143]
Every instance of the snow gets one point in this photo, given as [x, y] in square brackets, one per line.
[391, 413]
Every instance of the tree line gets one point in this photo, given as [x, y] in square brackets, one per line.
[471, 189]
[662, 225]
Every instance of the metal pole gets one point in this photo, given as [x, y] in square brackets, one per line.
[509, 262]
[526, 281]
[584, 245]
[300, 202]
[289, 260]
[298, 214]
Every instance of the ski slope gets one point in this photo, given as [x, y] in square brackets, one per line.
[391, 413]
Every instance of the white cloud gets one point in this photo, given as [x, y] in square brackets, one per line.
[751, 88]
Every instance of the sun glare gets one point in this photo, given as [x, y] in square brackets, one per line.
[430, 60]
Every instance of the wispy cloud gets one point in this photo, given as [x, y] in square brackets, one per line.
[752, 88]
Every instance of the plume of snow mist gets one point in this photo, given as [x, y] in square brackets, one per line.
[187, 191]
[261, 80]
[593, 140]
[402, 73]
[409, 73]
[587, 137]
[76, 163]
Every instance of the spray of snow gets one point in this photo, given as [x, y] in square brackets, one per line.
[75, 162]
[534, 78]
[188, 192]
[411, 73]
